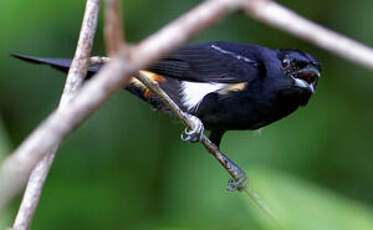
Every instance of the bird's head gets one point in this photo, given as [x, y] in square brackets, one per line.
[301, 67]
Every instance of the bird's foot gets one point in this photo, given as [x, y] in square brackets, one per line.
[195, 134]
[237, 185]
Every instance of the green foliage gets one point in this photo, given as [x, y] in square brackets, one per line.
[126, 167]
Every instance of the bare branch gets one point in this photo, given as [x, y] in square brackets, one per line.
[283, 18]
[235, 172]
[212, 148]
[182, 29]
[113, 30]
[73, 83]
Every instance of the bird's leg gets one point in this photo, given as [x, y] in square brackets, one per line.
[195, 134]
[239, 180]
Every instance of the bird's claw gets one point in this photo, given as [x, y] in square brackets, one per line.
[238, 185]
[195, 134]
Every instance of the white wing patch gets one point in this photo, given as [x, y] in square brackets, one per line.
[193, 92]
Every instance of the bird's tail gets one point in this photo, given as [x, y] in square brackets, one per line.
[61, 64]
[135, 86]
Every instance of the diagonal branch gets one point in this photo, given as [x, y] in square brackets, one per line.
[113, 30]
[73, 83]
[231, 168]
[272, 13]
[236, 173]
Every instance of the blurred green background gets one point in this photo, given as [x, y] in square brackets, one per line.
[126, 167]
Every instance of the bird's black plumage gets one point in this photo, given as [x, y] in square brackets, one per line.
[229, 86]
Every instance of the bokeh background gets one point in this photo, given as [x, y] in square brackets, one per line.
[126, 167]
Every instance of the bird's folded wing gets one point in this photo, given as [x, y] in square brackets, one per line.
[209, 62]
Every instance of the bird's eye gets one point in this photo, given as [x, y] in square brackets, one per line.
[285, 62]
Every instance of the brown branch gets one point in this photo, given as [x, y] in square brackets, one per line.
[182, 29]
[73, 83]
[113, 30]
[229, 166]
[211, 147]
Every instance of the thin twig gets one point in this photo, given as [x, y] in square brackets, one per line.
[260, 203]
[73, 83]
[230, 167]
[211, 147]
[182, 29]
[113, 30]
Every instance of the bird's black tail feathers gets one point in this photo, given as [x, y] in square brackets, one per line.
[61, 64]
[135, 87]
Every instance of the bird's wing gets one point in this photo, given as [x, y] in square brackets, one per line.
[213, 62]
[217, 62]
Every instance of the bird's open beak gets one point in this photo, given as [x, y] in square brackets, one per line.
[306, 78]
[309, 71]
[303, 84]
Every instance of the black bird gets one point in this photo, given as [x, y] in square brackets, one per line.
[228, 86]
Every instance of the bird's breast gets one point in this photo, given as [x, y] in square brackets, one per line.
[248, 110]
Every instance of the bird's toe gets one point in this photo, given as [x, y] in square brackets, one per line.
[195, 134]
